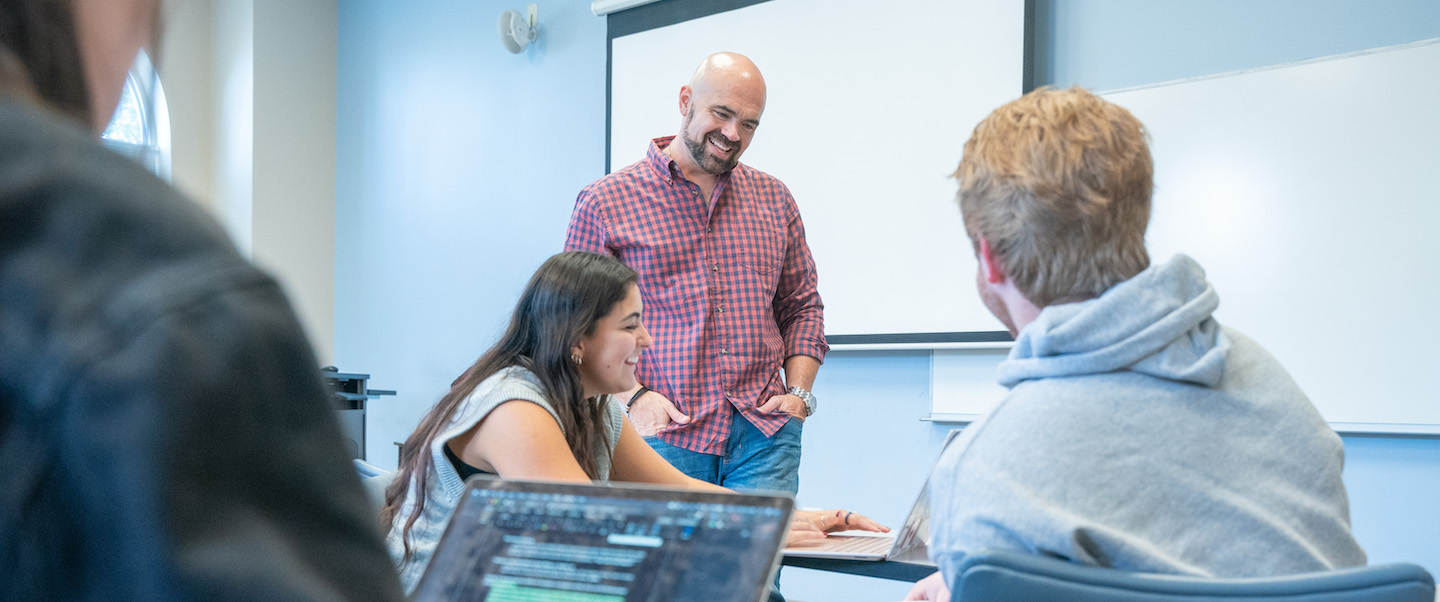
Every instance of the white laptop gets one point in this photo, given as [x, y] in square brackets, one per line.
[520, 540]
[908, 544]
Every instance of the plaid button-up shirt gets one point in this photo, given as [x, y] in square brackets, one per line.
[728, 286]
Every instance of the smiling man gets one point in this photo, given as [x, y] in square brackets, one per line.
[728, 284]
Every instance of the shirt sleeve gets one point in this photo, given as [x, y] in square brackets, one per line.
[587, 227]
[798, 310]
[957, 527]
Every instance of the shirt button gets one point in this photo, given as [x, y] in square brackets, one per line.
[716, 268]
[729, 393]
[724, 352]
[720, 310]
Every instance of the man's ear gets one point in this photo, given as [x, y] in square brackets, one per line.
[990, 267]
[685, 95]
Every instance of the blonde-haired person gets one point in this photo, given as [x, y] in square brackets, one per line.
[164, 433]
[1058, 185]
[540, 404]
[1138, 432]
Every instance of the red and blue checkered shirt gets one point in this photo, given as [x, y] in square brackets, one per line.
[728, 287]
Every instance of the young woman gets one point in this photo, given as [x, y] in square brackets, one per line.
[538, 405]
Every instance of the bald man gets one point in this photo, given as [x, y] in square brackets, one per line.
[728, 285]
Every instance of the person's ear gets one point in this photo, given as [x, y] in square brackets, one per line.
[686, 95]
[990, 267]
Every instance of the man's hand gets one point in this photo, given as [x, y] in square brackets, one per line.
[930, 588]
[653, 412]
[790, 404]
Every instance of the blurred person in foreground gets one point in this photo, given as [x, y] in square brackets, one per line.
[164, 433]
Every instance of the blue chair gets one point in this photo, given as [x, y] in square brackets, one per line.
[1019, 577]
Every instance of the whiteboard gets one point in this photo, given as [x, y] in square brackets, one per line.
[868, 107]
[1309, 194]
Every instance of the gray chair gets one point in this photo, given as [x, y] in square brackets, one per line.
[1014, 576]
[366, 469]
[375, 480]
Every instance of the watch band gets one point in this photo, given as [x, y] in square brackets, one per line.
[805, 396]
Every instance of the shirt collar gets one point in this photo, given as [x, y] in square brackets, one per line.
[661, 162]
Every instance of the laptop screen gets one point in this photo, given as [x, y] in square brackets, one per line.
[516, 540]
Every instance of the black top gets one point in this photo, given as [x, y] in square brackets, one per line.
[163, 429]
[466, 471]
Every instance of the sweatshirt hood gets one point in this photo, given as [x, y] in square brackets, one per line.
[1157, 323]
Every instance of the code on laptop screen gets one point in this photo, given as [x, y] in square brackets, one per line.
[507, 545]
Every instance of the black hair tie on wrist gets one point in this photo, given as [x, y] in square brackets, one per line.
[642, 391]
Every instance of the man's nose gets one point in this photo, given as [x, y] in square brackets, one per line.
[731, 131]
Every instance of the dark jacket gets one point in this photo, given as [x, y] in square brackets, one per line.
[164, 432]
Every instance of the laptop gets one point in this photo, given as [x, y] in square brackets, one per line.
[908, 544]
[522, 540]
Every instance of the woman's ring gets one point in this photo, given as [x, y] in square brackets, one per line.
[847, 518]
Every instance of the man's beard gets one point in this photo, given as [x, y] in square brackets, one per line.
[707, 163]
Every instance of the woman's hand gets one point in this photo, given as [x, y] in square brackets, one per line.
[812, 525]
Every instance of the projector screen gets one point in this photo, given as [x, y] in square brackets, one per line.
[868, 106]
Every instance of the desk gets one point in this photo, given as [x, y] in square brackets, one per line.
[883, 569]
[349, 394]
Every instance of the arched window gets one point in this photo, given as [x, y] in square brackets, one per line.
[140, 128]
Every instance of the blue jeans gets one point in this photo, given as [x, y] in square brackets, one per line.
[751, 462]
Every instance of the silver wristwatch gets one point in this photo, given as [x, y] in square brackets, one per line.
[805, 396]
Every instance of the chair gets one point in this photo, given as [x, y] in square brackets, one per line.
[367, 469]
[1007, 575]
[375, 480]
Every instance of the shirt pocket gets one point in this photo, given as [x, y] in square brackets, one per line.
[764, 251]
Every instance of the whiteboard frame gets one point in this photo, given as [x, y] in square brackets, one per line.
[1428, 431]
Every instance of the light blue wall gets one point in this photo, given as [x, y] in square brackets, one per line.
[1109, 44]
[458, 164]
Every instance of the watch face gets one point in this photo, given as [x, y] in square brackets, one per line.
[805, 396]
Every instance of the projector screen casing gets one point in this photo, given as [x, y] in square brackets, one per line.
[866, 114]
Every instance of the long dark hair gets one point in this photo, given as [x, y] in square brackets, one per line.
[40, 56]
[561, 304]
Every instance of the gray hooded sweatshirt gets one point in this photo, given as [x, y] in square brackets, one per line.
[1141, 435]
